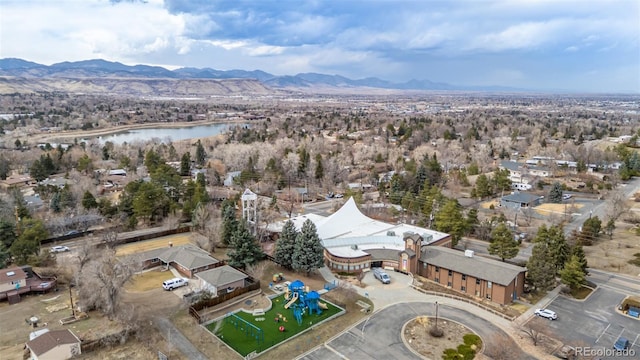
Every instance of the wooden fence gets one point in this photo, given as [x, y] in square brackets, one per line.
[468, 301]
[200, 305]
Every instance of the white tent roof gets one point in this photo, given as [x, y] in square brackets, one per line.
[347, 227]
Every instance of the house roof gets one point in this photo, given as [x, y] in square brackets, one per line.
[188, 256]
[521, 198]
[383, 254]
[479, 267]
[510, 165]
[18, 274]
[221, 275]
[50, 340]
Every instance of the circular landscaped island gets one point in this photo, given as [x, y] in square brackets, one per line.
[432, 340]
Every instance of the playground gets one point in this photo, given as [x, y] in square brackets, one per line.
[291, 313]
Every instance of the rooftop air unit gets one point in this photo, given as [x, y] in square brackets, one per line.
[468, 253]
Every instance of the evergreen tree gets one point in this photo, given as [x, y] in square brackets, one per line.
[67, 200]
[553, 237]
[472, 220]
[54, 203]
[482, 186]
[558, 247]
[7, 232]
[578, 252]
[28, 242]
[185, 164]
[503, 243]
[449, 219]
[285, 245]
[229, 222]
[246, 251]
[89, 201]
[540, 270]
[555, 194]
[5, 255]
[590, 231]
[319, 174]
[308, 250]
[201, 155]
[572, 273]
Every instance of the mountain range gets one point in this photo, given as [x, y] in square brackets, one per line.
[98, 68]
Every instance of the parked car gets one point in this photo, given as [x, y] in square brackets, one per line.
[621, 344]
[174, 283]
[546, 313]
[381, 275]
[566, 196]
[59, 248]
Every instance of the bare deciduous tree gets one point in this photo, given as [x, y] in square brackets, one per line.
[102, 283]
[500, 347]
[257, 270]
[532, 331]
[617, 205]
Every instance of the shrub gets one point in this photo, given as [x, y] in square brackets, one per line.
[472, 339]
[436, 332]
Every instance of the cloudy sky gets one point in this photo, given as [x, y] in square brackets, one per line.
[586, 45]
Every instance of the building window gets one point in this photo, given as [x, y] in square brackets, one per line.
[449, 284]
[437, 268]
[155, 260]
[424, 265]
[437, 280]
[450, 272]
[489, 296]
[463, 289]
[477, 281]
[489, 284]
[464, 277]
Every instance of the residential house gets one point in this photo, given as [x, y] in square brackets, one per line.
[516, 172]
[484, 278]
[20, 280]
[55, 345]
[33, 202]
[186, 259]
[517, 200]
[222, 279]
[228, 180]
[12, 279]
[16, 181]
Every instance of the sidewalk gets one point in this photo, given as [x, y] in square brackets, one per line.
[543, 303]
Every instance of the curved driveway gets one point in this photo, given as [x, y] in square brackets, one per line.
[380, 336]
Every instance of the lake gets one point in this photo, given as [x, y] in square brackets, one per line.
[166, 134]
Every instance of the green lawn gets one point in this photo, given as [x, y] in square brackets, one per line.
[242, 337]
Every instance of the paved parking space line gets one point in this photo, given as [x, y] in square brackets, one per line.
[335, 351]
[603, 331]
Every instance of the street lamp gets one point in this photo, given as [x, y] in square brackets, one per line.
[436, 315]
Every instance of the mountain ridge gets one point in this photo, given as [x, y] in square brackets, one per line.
[100, 68]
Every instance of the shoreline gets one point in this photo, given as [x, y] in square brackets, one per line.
[66, 135]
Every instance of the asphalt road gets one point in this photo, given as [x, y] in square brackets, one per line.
[379, 337]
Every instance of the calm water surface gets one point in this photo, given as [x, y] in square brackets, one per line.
[165, 134]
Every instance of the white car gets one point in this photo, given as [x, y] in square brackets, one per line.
[174, 283]
[546, 313]
[59, 248]
[566, 196]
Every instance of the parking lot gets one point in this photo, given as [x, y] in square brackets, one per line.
[593, 322]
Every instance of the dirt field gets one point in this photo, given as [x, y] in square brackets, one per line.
[417, 336]
[560, 209]
[49, 308]
[141, 246]
[613, 254]
[148, 280]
